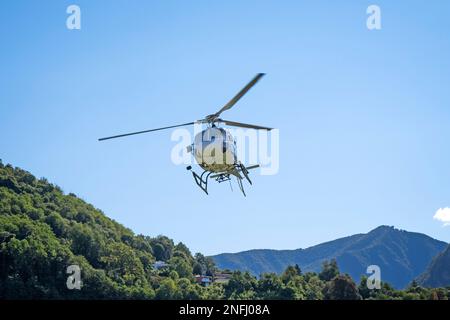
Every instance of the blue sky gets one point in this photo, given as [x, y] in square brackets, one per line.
[363, 115]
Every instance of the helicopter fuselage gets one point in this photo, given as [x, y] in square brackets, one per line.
[214, 150]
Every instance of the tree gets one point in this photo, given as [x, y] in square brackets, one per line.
[210, 267]
[270, 286]
[342, 287]
[32, 259]
[167, 290]
[313, 287]
[214, 292]
[363, 289]
[122, 264]
[181, 266]
[207, 264]
[299, 287]
[57, 223]
[183, 251]
[329, 270]
[197, 269]
[239, 284]
[187, 290]
[162, 248]
[298, 270]
[159, 252]
[290, 273]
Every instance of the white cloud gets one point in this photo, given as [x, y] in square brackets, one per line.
[443, 215]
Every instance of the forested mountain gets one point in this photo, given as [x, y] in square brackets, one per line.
[438, 272]
[401, 255]
[44, 231]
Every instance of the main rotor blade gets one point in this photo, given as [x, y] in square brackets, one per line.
[145, 131]
[243, 125]
[240, 94]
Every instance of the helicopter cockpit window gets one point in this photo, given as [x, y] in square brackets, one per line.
[208, 137]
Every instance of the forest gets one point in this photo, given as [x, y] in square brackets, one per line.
[43, 231]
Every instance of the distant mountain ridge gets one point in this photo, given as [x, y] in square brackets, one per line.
[438, 272]
[401, 255]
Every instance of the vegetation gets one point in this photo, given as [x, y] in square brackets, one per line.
[43, 231]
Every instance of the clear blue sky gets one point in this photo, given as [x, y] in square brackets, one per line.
[363, 115]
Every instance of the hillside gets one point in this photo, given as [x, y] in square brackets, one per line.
[43, 231]
[438, 272]
[401, 255]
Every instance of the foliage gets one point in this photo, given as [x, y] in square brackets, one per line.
[43, 231]
[329, 271]
[341, 287]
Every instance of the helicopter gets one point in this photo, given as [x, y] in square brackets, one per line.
[214, 148]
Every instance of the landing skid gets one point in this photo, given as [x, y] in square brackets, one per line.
[241, 186]
[202, 180]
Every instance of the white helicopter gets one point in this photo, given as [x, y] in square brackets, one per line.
[214, 148]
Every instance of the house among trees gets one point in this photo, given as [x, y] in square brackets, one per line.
[203, 280]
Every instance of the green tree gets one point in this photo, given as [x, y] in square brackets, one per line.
[290, 273]
[214, 292]
[197, 269]
[123, 265]
[207, 264]
[188, 290]
[181, 266]
[240, 285]
[342, 287]
[329, 270]
[313, 286]
[270, 286]
[159, 252]
[167, 290]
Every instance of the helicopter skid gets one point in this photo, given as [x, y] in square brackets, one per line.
[237, 169]
[202, 180]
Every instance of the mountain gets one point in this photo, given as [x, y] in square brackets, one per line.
[438, 272]
[401, 255]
